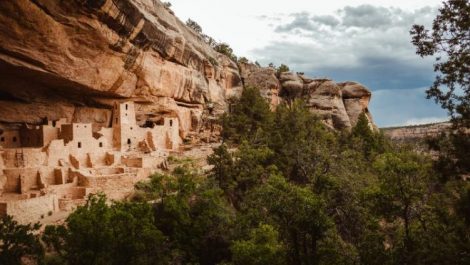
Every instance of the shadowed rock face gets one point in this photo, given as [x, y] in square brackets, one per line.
[74, 58]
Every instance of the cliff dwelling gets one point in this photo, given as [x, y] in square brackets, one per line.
[54, 166]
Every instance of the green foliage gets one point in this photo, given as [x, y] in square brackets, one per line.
[454, 157]
[362, 136]
[194, 26]
[444, 238]
[243, 60]
[97, 233]
[450, 43]
[368, 202]
[213, 61]
[225, 49]
[283, 68]
[193, 216]
[301, 143]
[238, 173]
[262, 247]
[249, 119]
[403, 189]
[298, 214]
[19, 242]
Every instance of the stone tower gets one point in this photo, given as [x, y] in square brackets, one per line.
[125, 127]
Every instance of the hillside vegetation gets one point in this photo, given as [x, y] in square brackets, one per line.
[284, 189]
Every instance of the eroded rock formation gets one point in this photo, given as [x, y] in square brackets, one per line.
[73, 59]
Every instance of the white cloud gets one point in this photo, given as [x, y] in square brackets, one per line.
[358, 40]
[345, 38]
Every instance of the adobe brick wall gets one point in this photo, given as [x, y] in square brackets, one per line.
[32, 209]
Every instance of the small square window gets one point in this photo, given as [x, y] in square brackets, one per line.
[14, 139]
[101, 144]
[2, 139]
[79, 145]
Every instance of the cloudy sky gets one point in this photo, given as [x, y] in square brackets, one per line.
[358, 40]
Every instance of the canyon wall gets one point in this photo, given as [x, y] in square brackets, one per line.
[73, 59]
[416, 133]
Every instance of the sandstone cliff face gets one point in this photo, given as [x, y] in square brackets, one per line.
[74, 58]
[416, 133]
[263, 78]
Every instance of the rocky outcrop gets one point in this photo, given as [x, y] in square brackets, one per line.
[263, 78]
[338, 104]
[356, 98]
[75, 58]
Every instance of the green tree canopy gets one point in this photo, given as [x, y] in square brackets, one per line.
[262, 247]
[249, 119]
[18, 241]
[283, 68]
[98, 233]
